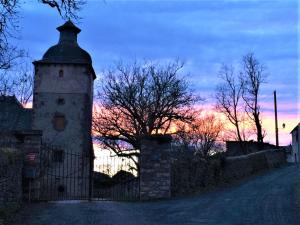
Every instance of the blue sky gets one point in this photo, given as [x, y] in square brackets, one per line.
[204, 34]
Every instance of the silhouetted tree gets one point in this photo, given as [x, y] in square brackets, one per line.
[18, 82]
[66, 8]
[201, 135]
[237, 95]
[253, 77]
[229, 100]
[138, 100]
[9, 25]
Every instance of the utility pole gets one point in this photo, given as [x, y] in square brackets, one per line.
[276, 120]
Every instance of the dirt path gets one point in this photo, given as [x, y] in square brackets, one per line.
[263, 200]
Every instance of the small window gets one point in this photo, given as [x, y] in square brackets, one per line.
[59, 122]
[61, 73]
[58, 156]
[60, 101]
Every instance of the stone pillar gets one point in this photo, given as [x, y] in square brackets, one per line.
[31, 147]
[155, 169]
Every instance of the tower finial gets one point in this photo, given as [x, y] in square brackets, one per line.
[68, 33]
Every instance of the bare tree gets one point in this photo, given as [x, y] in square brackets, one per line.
[229, 100]
[138, 100]
[9, 25]
[18, 81]
[24, 84]
[6, 85]
[254, 77]
[8, 28]
[66, 8]
[201, 135]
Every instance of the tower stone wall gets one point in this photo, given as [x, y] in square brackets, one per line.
[62, 108]
[69, 96]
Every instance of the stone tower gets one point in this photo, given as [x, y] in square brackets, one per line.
[62, 103]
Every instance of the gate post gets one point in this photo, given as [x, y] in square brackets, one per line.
[155, 169]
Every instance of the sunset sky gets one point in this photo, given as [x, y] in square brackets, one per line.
[203, 34]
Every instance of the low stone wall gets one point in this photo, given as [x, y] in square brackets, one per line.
[11, 165]
[242, 166]
[191, 174]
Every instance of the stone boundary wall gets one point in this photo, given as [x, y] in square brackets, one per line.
[28, 144]
[242, 166]
[191, 174]
[11, 165]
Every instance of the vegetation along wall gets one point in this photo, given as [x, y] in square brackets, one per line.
[190, 174]
[11, 164]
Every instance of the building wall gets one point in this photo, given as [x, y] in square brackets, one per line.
[76, 110]
[76, 78]
[74, 87]
[295, 153]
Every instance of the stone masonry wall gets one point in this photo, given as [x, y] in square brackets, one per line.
[11, 165]
[191, 174]
[24, 144]
[155, 176]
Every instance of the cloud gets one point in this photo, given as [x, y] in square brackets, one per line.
[204, 34]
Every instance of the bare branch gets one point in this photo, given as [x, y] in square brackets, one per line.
[202, 134]
[253, 77]
[138, 100]
[229, 100]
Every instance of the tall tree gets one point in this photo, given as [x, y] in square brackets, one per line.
[139, 100]
[238, 96]
[229, 100]
[254, 77]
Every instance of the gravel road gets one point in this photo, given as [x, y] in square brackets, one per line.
[266, 199]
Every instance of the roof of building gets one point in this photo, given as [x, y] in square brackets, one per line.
[67, 49]
[13, 116]
[295, 127]
[66, 53]
[68, 26]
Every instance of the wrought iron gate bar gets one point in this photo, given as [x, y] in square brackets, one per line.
[65, 175]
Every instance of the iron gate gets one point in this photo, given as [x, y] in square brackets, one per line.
[65, 175]
[115, 178]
